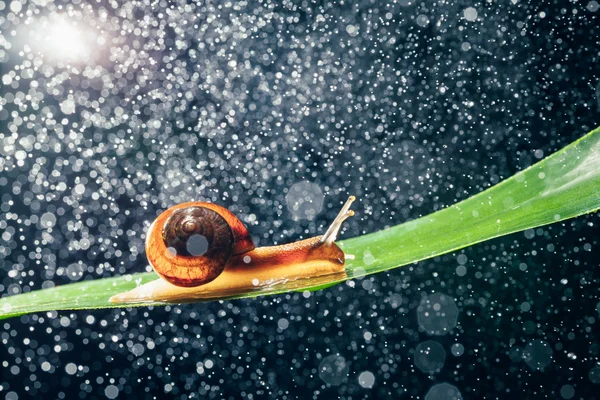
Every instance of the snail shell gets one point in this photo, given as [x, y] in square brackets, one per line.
[191, 243]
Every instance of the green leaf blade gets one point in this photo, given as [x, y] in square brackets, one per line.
[562, 186]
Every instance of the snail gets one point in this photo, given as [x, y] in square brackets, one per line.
[202, 250]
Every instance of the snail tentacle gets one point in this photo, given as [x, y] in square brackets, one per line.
[334, 229]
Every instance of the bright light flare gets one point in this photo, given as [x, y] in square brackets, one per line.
[60, 39]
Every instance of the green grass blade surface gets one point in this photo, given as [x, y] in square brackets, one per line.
[562, 186]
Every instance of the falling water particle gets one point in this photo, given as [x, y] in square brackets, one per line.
[352, 30]
[304, 200]
[470, 14]
[111, 392]
[437, 314]
[429, 357]
[457, 349]
[443, 391]
[333, 370]
[594, 375]
[537, 354]
[15, 6]
[366, 379]
[196, 245]
[48, 220]
[567, 392]
[67, 107]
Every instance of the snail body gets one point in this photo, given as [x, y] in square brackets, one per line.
[202, 250]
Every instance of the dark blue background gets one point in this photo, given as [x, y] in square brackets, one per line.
[449, 107]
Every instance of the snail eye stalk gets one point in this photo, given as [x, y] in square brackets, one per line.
[329, 237]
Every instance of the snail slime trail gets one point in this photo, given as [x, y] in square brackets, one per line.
[201, 250]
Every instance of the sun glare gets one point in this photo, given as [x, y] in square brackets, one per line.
[60, 39]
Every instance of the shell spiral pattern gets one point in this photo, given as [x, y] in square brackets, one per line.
[198, 242]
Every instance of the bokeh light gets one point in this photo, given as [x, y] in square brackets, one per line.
[113, 111]
[437, 314]
[304, 200]
[537, 354]
[443, 391]
[333, 370]
[61, 39]
[429, 356]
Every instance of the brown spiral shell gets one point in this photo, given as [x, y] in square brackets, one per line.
[190, 244]
[186, 224]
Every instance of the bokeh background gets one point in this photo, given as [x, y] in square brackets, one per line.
[111, 112]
